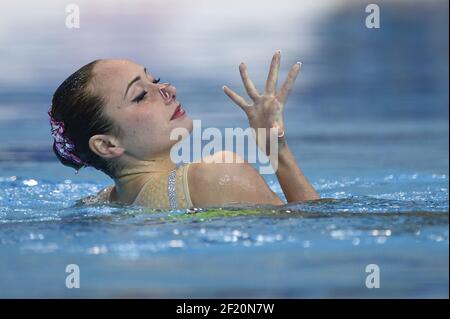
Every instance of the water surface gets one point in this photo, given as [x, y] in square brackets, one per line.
[367, 122]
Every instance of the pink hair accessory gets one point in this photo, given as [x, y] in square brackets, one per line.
[64, 146]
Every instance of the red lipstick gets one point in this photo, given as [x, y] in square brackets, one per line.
[179, 111]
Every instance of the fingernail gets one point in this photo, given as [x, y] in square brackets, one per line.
[299, 63]
[223, 87]
[278, 51]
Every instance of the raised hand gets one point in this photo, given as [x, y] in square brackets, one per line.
[267, 110]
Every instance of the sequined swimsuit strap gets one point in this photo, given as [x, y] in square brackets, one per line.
[171, 188]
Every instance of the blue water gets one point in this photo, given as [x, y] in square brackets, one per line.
[367, 122]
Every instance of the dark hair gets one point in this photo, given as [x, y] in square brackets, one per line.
[81, 110]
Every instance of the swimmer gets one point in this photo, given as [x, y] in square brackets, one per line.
[116, 116]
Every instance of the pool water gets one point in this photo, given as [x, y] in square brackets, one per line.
[398, 221]
[368, 127]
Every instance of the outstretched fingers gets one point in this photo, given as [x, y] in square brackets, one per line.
[271, 83]
[248, 83]
[236, 98]
[289, 83]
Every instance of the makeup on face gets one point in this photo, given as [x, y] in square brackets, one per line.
[167, 95]
[179, 112]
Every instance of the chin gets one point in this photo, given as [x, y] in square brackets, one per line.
[184, 122]
[189, 123]
[184, 127]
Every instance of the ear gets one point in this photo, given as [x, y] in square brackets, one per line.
[105, 146]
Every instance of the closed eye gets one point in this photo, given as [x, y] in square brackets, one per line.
[140, 97]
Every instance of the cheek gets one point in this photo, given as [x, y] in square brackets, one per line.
[145, 126]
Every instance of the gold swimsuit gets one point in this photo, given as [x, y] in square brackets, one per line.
[165, 190]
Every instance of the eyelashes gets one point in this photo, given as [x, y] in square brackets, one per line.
[142, 95]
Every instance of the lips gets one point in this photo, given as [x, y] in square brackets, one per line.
[179, 111]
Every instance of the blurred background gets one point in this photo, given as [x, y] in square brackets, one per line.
[367, 121]
[365, 98]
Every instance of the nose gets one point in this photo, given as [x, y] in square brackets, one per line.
[168, 92]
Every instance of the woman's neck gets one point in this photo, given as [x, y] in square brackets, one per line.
[130, 180]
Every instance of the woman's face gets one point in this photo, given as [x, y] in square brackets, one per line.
[145, 111]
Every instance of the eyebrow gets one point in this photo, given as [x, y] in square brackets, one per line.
[133, 81]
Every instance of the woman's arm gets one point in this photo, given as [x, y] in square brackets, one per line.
[294, 184]
[266, 112]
